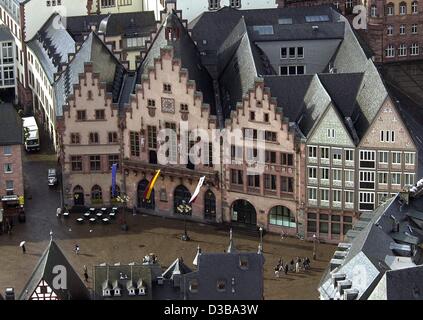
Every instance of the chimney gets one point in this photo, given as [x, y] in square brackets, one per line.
[395, 224]
[335, 263]
[10, 294]
[336, 277]
[340, 254]
[351, 294]
[343, 285]
[342, 246]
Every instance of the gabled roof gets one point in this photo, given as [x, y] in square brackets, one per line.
[11, 132]
[177, 267]
[185, 50]
[94, 51]
[52, 45]
[51, 258]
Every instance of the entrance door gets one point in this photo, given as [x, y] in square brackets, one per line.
[244, 212]
[78, 196]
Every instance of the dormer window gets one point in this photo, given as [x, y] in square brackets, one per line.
[117, 293]
[141, 291]
[132, 292]
[107, 293]
[221, 285]
[193, 285]
[172, 34]
[243, 263]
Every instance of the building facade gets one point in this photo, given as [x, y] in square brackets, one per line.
[7, 71]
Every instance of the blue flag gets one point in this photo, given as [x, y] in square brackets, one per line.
[114, 172]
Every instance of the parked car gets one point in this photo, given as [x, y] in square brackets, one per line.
[52, 177]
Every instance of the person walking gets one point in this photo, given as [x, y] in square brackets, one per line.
[77, 249]
[297, 267]
[286, 269]
[23, 249]
[85, 273]
[292, 265]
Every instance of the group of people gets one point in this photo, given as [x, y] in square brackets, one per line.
[293, 266]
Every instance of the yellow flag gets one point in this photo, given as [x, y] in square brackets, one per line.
[150, 187]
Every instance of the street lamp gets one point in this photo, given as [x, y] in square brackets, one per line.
[184, 209]
[261, 241]
[123, 200]
[314, 246]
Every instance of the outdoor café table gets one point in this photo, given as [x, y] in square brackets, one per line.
[66, 214]
[87, 215]
[93, 220]
[103, 210]
[80, 220]
[92, 209]
[114, 209]
[105, 220]
[112, 214]
[99, 214]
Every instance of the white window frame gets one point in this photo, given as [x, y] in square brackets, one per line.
[393, 156]
[321, 153]
[385, 174]
[315, 171]
[347, 195]
[367, 198]
[408, 156]
[367, 176]
[321, 175]
[326, 191]
[396, 174]
[385, 153]
[314, 148]
[351, 151]
[336, 192]
[349, 174]
[314, 191]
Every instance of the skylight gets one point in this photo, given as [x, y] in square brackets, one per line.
[263, 30]
[323, 18]
[285, 20]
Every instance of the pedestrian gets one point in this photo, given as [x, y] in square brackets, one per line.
[23, 249]
[58, 212]
[76, 249]
[292, 265]
[286, 269]
[85, 273]
[277, 271]
[297, 267]
[280, 261]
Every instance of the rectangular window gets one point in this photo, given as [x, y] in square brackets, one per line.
[367, 201]
[287, 159]
[113, 137]
[95, 163]
[349, 176]
[396, 178]
[75, 138]
[409, 158]
[100, 115]
[7, 168]
[237, 177]
[284, 53]
[81, 115]
[270, 156]
[324, 173]
[7, 150]
[324, 195]
[337, 175]
[113, 159]
[349, 197]
[76, 162]
[312, 194]
[270, 182]
[94, 138]
[337, 195]
[383, 177]
[152, 137]
[383, 157]
[9, 187]
[396, 158]
[367, 159]
[254, 181]
[349, 155]
[287, 184]
[409, 179]
[367, 180]
[312, 173]
[324, 153]
[312, 152]
[135, 143]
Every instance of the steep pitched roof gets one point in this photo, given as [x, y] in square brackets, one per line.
[52, 45]
[177, 267]
[11, 132]
[94, 51]
[185, 50]
[51, 258]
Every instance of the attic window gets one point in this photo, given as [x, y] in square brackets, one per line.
[132, 292]
[193, 285]
[117, 292]
[263, 30]
[141, 291]
[243, 263]
[106, 293]
[285, 21]
[221, 285]
[172, 34]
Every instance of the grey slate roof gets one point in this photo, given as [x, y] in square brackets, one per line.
[186, 51]
[177, 267]
[375, 261]
[124, 277]
[51, 258]
[11, 129]
[52, 45]
[5, 34]
[126, 24]
[240, 283]
[94, 51]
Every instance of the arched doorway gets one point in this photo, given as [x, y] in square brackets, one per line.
[96, 195]
[283, 217]
[113, 197]
[181, 194]
[142, 203]
[78, 196]
[209, 205]
[244, 212]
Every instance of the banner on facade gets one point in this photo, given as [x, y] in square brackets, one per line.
[197, 190]
[150, 187]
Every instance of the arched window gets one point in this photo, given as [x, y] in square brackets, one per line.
[78, 196]
[390, 8]
[373, 11]
[403, 8]
[414, 7]
[142, 202]
[282, 216]
[114, 196]
[180, 195]
[96, 194]
[209, 205]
